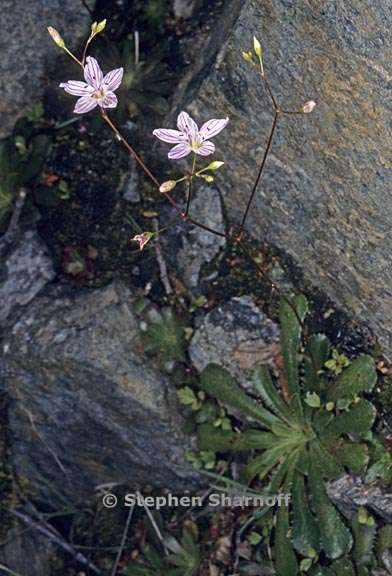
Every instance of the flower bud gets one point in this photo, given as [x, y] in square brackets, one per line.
[56, 37]
[247, 56]
[214, 165]
[167, 186]
[101, 26]
[308, 107]
[97, 27]
[257, 47]
[207, 177]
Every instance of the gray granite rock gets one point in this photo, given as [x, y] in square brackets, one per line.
[27, 50]
[184, 8]
[350, 493]
[325, 196]
[27, 552]
[25, 269]
[189, 247]
[87, 408]
[238, 336]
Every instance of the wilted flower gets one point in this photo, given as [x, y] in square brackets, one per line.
[143, 238]
[189, 138]
[308, 107]
[98, 90]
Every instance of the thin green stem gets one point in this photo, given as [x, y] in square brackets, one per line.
[190, 182]
[72, 56]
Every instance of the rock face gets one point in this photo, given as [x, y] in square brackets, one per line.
[238, 336]
[25, 269]
[27, 50]
[350, 493]
[325, 196]
[189, 247]
[87, 410]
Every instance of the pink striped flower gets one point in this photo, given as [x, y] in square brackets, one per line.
[98, 90]
[188, 138]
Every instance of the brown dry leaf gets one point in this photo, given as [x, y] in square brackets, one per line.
[279, 363]
[223, 550]
[251, 354]
[49, 179]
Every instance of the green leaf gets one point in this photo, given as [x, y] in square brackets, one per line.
[285, 558]
[358, 420]
[272, 399]
[264, 463]
[336, 539]
[329, 467]
[353, 456]
[316, 354]
[254, 538]
[343, 567]
[313, 400]
[291, 314]
[360, 376]
[285, 470]
[219, 383]
[305, 529]
[364, 540]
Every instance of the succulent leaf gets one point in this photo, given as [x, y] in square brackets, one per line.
[269, 394]
[357, 420]
[291, 315]
[360, 376]
[336, 539]
[316, 354]
[364, 540]
[219, 383]
[285, 559]
[261, 465]
[305, 529]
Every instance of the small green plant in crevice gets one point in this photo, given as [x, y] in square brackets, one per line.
[147, 82]
[182, 558]
[315, 435]
[22, 157]
[163, 335]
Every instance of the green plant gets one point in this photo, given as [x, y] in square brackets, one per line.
[22, 157]
[183, 558]
[148, 82]
[313, 436]
[164, 336]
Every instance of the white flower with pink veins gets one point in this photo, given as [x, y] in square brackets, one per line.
[98, 90]
[188, 138]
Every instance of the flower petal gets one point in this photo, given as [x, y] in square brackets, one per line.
[77, 88]
[171, 136]
[212, 128]
[110, 101]
[93, 73]
[206, 149]
[179, 151]
[84, 104]
[112, 79]
[187, 125]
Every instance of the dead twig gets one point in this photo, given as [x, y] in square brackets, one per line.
[122, 544]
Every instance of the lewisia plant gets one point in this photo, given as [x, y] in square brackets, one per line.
[97, 91]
